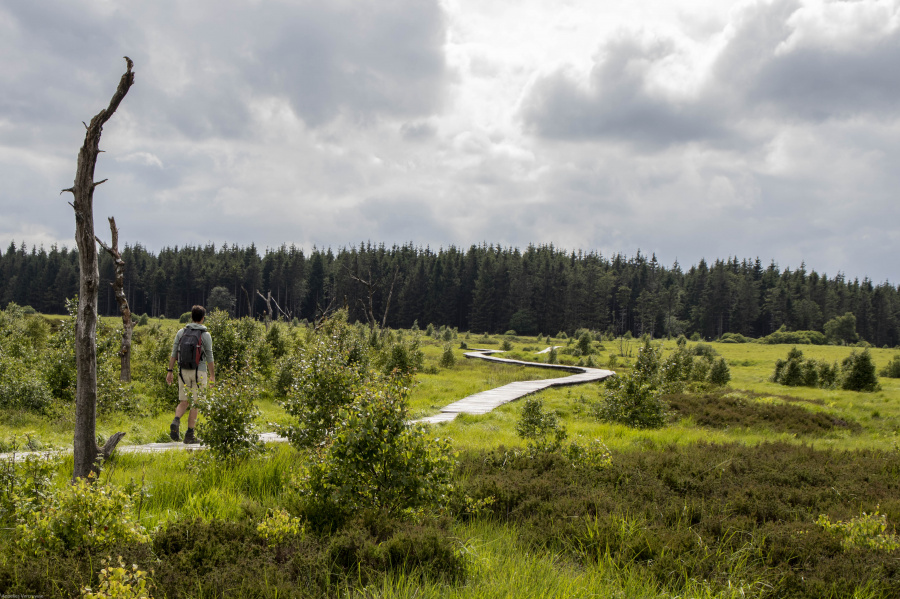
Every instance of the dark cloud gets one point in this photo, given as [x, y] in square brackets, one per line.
[200, 65]
[618, 102]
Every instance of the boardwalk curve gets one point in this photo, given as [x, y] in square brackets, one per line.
[479, 403]
[485, 401]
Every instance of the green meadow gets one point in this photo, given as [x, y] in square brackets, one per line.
[753, 489]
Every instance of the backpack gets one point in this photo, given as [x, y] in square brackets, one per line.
[190, 350]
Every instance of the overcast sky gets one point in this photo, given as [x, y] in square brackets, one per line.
[705, 128]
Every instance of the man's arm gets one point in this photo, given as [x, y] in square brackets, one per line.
[170, 376]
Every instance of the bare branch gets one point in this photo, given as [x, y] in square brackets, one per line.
[70, 190]
[100, 182]
[105, 247]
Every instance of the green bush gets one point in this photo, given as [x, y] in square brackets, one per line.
[401, 358]
[635, 399]
[24, 481]
[719, 374]
[82, 517]
[783, 336]
[185, 318]
[506, 345]
[277, 341]
[858, 372]
[553, 356]
[330, 372]
[448, 359]
[229, 428]
[21, 387]
[797, 372]
[867, 531]
[236, 342]
[892, 368]
[118, 582]
[541, 429]
[585, 343]
[375, 461]
[733, 338]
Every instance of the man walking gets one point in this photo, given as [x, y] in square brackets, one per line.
[194, 353]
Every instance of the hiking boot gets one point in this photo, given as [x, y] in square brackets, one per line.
[189, 438]
[173, 432]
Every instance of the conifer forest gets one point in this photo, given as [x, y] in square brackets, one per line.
[485, 288]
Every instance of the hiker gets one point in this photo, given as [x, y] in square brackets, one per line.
[193, 352]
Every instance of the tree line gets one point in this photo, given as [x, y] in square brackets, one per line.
[485, 288]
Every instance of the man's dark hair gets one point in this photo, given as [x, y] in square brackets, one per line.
[197, 313]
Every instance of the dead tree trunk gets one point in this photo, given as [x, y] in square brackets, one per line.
[85, 445]
[119, 287]
[369, 310]
[271, 300]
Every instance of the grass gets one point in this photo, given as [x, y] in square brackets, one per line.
[753, 412]
[503, 567]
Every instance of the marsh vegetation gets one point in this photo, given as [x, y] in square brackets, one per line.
[743, 489]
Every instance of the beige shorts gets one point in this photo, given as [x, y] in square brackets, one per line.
[193, 386]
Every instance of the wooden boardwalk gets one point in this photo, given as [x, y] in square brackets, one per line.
[479, 403]
[485, 401]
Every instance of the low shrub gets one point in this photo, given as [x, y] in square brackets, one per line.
[733, 338]
[797, 372]
[374, 460]
[228, 428]
[635, 399]
[722, 410]
[858, 372]
[118, 582]
[892, 368]
[85, 517]
[695, 512]
[783, 336]
[719, 374]
[448, 358]
[541, 429]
